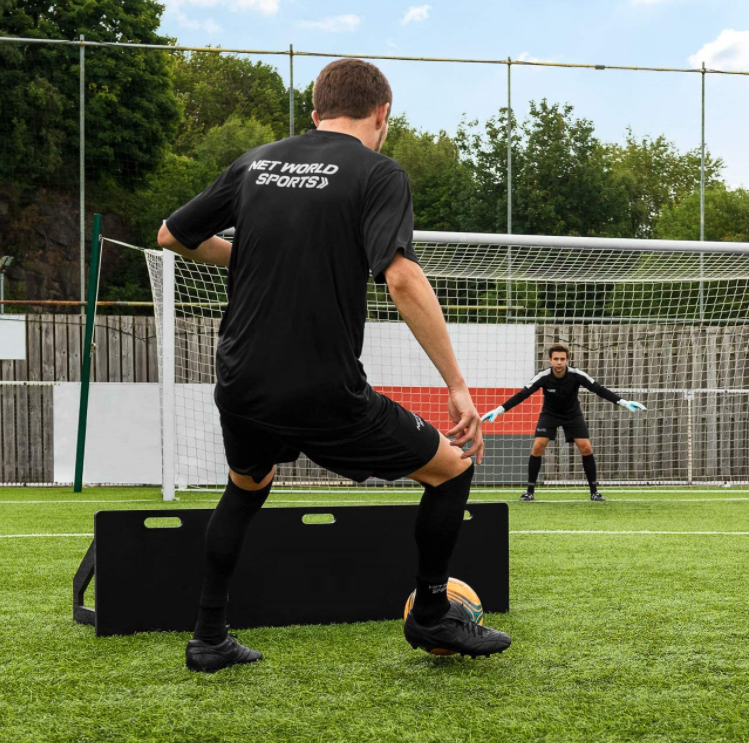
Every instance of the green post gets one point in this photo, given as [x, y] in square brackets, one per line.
[93, 291]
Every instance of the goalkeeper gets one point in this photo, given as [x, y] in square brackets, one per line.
[560, 384]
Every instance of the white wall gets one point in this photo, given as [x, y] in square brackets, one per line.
[12, 337]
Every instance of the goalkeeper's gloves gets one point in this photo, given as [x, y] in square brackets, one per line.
[492, 415]
[633, 407]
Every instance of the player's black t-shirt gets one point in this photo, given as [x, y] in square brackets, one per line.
[560, 395]
[314, 214]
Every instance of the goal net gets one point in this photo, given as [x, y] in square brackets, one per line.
[661, 322]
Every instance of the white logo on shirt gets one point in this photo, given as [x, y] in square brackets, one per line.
[303, 175]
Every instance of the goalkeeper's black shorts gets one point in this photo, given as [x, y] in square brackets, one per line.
[574, 427]
[390, 442]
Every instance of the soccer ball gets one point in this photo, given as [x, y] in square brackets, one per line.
[461, 593]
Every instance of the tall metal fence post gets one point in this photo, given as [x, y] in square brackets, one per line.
[88, 350]
[82, 165]
[291, 90]
[509, 186]
[702, 201]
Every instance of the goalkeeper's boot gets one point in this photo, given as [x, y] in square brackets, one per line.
[596, 496]
[456, 632]
[202, 656]
[527, 495]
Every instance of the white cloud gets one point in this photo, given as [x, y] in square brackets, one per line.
[416, 13]
[525, 57]
[208, 25]
[730, 51]
[335, 25]
[266, 7]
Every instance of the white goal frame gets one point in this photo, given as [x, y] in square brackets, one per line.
[168, 317]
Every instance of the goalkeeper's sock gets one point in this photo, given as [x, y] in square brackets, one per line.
[438, 524]
[589, 465]
[534, 467]
[224, 538]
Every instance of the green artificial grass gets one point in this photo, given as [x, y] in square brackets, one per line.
[616, 637]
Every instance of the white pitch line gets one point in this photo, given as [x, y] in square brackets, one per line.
[55, 502]
[322, 503]
[634, 533]
[522, 532]
[34, 536]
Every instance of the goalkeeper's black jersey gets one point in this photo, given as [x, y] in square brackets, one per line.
[314, 215]
[560, 394]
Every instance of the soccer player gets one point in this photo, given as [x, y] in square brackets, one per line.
[314, 215]
[560, 384]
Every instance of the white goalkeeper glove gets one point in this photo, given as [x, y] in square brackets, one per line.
[492, 415]
[633, 407]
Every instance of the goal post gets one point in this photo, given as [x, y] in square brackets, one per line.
[662, 322]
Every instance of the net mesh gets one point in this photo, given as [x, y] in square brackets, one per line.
[666, 328]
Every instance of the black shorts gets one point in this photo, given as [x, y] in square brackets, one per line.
[390, 442]
[574, 427]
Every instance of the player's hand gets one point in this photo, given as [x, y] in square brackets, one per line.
[492, 415]
[633, 407]
[467, 422]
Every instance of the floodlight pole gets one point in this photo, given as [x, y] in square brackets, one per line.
[88, 350]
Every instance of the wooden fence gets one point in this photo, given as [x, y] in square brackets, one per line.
[702, 434]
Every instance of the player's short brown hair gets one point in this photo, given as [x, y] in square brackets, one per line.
[350, 87]
[558, 348]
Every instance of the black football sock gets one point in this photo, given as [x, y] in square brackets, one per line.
[438, 524]
[589, 465]
[534, 467]
[224, 538]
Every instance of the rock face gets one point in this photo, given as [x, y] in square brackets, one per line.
[44, 238]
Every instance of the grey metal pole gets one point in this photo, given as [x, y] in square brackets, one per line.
[82, 171]
[509, 146]
[702, 200]
[291, 90]
[509, 186]
[2, 291]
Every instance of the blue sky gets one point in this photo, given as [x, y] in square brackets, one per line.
[667, 33]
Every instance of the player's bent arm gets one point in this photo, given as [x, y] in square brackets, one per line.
[417, 303]
[214, 250]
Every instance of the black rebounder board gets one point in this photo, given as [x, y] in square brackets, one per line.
[148, 566]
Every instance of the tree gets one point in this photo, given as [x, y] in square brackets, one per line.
[131, 110]
[656, 175]
[213, 86]
[563, 181]
[435, 172]
[726, 216]
[180, 177]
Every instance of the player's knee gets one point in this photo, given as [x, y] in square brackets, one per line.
[538, 448]
[247, 482]
[585, 448]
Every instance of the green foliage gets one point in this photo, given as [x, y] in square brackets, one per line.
[563, 181]
[435, 171]
[180, 177]
[726, 216]
[131, 111]
[657, 176]
[213, 87]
